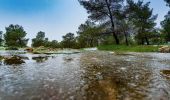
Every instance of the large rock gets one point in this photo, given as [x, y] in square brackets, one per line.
[13, 60]
[166, 73]
[40, 59]
[29, 49]
[164, 49]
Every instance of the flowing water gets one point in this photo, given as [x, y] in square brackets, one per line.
[90, 75]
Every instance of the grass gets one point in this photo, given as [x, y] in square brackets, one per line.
[132, 48]
[116, 48]
[2, 48]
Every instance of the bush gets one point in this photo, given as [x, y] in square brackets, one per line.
[132, 48]
[11, 48]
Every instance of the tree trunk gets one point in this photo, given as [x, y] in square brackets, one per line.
[113, 26]
[116, 38]
[127, 43]
[142, 41]
[91, 43]
[147, 41]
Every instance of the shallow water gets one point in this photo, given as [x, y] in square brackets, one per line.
[88, 75]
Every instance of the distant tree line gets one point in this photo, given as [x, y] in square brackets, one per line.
[41, 40]
[109, 22]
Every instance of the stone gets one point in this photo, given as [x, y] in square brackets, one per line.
[166, 72]
[29, 49]
[13, 60]
[40, 59]
[164, 49]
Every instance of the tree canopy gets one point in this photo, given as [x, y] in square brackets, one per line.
[68, 41]
[39, 40]
[15, 36]
[89, 34]
[166, 24]
[143, 19]
[168, 2]
[127, 21]
[104, 11]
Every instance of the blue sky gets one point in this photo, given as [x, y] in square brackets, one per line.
[55, 17]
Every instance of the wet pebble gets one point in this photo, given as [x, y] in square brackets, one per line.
[60, 91]
[82, 82]
[46, 86]
[99, 76]
[123, 68]
[85, 87]
[71, 98]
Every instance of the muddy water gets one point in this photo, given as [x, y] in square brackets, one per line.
[86, 76]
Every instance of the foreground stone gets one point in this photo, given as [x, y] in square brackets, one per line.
[40, 59]
[13, 60]
[166, 73]
[29, 49]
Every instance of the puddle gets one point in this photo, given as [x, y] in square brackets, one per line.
[91, 75]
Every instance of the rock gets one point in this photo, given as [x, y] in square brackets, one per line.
[13, 60]
[164, 49]
[29, 49]
[40, 59]
[165, 73]
[85, 87]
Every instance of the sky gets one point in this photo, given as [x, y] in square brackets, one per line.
[54, 17]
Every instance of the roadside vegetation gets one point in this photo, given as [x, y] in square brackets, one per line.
[124, 25]
[134, 48]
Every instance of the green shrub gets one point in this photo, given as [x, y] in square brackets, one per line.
[132, 48]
